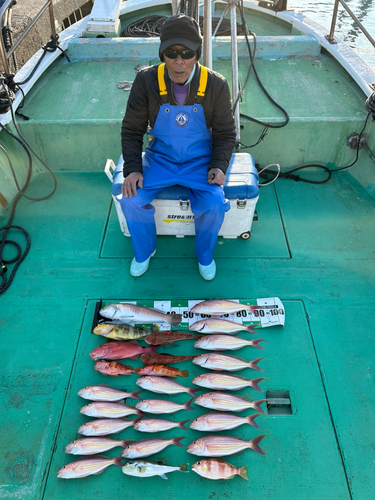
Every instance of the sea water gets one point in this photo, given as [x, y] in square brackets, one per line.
[346, 29]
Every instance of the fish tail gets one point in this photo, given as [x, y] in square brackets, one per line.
[136, 370]
[257, 406]
[137, 420]
[183, 468]
[151, 348]
[192, 392]
[251, 420]
[181, 424]
[184, 373]
[125, 442]
[188, 404]
[254, 383]
[242, 471]
[134, 395]
[118, 461]
[250, 328]
[154, 329]
[176, 442]
[254, 364]
[254, 444]
[255, 343]
[174, 319]
[140, 413]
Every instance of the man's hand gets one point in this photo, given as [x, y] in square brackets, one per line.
[216, 176]
[129, 186]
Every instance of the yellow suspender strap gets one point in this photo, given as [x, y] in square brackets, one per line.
[162, 86]
[202, 82]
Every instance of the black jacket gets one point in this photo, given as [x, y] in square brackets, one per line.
[143, 107]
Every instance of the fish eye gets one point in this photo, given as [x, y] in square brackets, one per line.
[199, 463]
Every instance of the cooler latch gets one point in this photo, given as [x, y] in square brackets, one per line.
[184, 204]
[241, 203]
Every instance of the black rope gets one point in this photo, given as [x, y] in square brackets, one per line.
[5, 281]
[150, 26]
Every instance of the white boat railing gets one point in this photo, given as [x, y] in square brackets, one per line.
[355, 19]
[6, 54]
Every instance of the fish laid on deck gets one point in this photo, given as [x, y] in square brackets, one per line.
[213, 468]
[131, 313]
[105, 426]
[218, 307]
[225, 343]
[217, 325]
[220, 446]
[216, 361]
[120, 350]
[106, 393]
[120, 332]
[228, 402]
[155, 358]
[226, 382]
[159, 406]
[144, 468]
[93, 445]
[161, 338]
[109, 410]
[84, 467]
[113, 369]
[147, 447]
[162, 385]
[215, 422]
[158, 425]
[161, 371]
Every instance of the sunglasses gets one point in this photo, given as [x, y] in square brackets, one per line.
[185, 54]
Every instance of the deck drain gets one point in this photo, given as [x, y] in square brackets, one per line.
[279, 403]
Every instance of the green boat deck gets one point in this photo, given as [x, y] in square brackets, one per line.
[312, 246]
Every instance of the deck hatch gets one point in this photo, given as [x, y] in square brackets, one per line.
[279, 402]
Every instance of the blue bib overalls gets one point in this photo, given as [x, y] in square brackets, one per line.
[179, 152]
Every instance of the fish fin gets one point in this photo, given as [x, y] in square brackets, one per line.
[129, 367]
[181, 425]
[243, 472]
[251, 420]
[250, 328]
[162, 460]
[136, 370]
[254, 383]
[254, 444]
[187, 405]
[255, 343]
[135, 356]
[150, 348]
[175, 319]
[133, 342]
[154, 329]
[257, 405]
[184, 373]
[118, 461]
[176, 442]
[192, 392]
[183, 468]
[135, 420]
[163, 476]
[254, 364]
[134, 395]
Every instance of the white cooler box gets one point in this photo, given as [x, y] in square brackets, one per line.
[173, 215]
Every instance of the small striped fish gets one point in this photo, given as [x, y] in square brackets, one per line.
[220, 446]
[93, 445]
[105, 426]
[105, 392]
[162, 385]
[158, 425]
[84, 467]
[228, 402]
[215, 422]
[216, 361]
[213, 468]
[159, 406]
[109, 410]
[225, 343]
[147, 447]
[226, 381]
